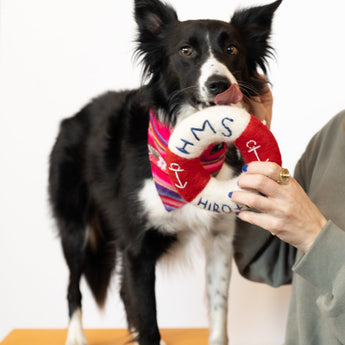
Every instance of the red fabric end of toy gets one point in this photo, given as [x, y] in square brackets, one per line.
[187, 175]
[257, 143]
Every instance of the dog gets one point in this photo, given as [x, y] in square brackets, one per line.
[101, 187]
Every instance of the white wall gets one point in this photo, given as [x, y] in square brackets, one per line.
[55, 55]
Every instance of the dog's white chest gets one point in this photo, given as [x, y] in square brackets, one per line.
[186, 218]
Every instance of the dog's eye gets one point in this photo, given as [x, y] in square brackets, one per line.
[232, 50]
[186, 51]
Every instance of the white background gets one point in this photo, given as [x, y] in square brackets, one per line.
[55, 56]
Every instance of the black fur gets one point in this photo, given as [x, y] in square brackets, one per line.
[100, 159]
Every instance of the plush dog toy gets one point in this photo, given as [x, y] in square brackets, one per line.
[182, 170]
[221, 123]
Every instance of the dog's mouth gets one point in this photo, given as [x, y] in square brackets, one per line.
[232, 95]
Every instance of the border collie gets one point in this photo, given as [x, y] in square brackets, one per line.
[102, 189]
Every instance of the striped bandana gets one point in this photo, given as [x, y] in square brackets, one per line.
[212, 160]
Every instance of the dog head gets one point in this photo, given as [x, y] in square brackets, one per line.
[188, 63]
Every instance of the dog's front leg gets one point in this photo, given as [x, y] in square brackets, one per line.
[138, 295]
[218, 271]
[138, 284]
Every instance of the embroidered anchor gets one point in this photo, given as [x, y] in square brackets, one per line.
[176, 168]
[251, 144]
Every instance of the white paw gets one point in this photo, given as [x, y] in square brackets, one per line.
[75, 335]
[219, 340]
[76, 339]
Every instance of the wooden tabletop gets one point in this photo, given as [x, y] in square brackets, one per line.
[188, 336]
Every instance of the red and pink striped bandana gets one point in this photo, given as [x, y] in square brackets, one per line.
[212, 160]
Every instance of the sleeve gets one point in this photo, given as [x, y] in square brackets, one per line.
[305, 166]
[324, 264]
[327, 255]
[261, 257]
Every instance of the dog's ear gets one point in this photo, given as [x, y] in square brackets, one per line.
[152, 17]
[254, 25]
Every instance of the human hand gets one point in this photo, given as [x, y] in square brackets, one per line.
[261, 106]
[286, 210]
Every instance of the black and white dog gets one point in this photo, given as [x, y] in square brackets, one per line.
[101, 188]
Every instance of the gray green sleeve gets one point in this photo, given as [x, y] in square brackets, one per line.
[262, 257]
[324, 267]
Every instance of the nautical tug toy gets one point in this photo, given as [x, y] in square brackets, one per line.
[186, 165]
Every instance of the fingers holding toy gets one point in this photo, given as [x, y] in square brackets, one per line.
[270, 170]
[263, 177]
[285, 209]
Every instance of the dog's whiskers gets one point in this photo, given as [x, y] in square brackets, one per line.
[249, 88]
[177, 93]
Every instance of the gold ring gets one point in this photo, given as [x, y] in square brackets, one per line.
[284, 176]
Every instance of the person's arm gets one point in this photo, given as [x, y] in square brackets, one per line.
[323, 263]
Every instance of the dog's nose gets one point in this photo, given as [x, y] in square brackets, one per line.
[217, 84]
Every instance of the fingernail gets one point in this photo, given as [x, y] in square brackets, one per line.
[230, 195]
[244, 168]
